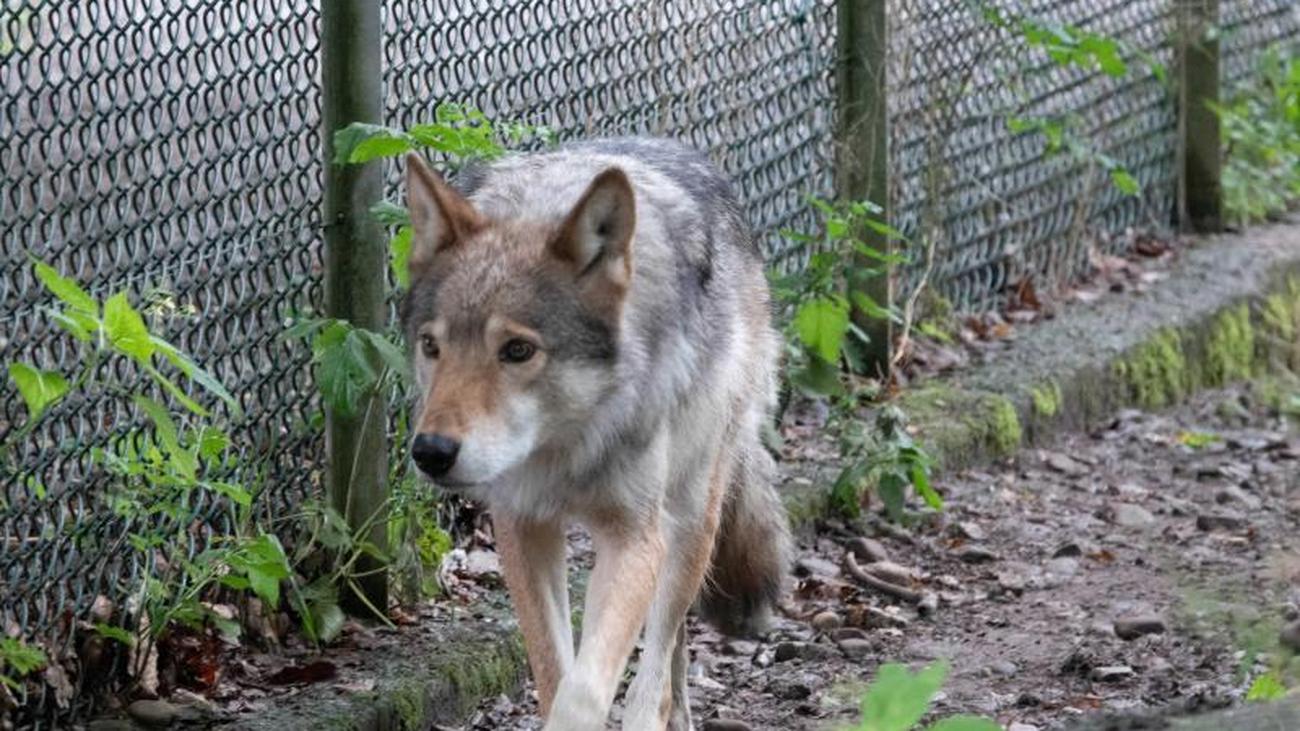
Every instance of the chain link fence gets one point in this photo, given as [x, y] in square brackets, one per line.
[173, 147]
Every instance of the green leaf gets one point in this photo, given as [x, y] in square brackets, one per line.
[897, 699]
[345, 373]
[117, 634]
[20, 656]
[818, 378]
[38, 388]
[360, 142]
[389, 353]
[126, 330]
[1267, 687]
[399, 250]
[203, 378]
[892, 489]
[1127, 184]
[170, 386]
[235, 493]
[821, 324]
[391, 214]
[212, 442]
[66, 290]
[921, 480]
[965, 723]
[79, 325]
[328, 620]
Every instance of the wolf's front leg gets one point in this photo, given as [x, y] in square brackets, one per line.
[628, 557]
[532, 559]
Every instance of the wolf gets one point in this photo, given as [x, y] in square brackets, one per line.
[592, 342]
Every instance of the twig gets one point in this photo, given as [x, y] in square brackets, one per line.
[880, 585]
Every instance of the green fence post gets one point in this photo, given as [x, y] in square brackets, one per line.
[1200, 206]
[355, 261]
[862, 146]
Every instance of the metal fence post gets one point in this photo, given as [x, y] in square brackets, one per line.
[862, 145]
[355, 261]
[1200, 205]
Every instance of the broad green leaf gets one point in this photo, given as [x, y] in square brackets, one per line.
[67, 290]
[390, 354]
[126, 330]
[345, 373]
[892, 489]
[965, 723]
[921, 480]
[212, 442]
[399, 249]
[235, 493]
[391, 214]
[1127, 184]
[79, 325]
[203, 378]
[38, 388]
[176, 392]
[821, 324]
[328, 619]
[360, 142]
[114, 633]
[818, 378]
[897, 698]
[1267, 687]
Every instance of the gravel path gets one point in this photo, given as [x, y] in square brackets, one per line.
[1151, 563]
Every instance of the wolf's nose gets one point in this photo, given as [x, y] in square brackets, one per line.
[434, 454]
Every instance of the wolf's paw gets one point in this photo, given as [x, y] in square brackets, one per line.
[576, 708]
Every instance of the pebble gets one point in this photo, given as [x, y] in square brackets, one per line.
[742, 648]
[849, 633]
[1209, 522]
[1111, 673]
[726, 724]
[827, 621]
[868, 550]
[160, 714]
[786, 651]
[1132, 516]
[968, 530]
[1131, 628]
[977, 554]
[855, 647]
[1234, 494]
[929, 604]
[1065, 465]
[815, 566]
[1004, 667]
[1290, 637]
[1059, 571]
[1069, 549]
[789, 690]
[1022, 727]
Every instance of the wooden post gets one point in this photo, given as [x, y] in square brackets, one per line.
[355, 262]
[862, 147]
[1200, 205]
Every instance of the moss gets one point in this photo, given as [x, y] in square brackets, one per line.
[1279, 326]
[1230, 347]
[959, 427]
[1004, 430]
[1046, 399]
[1155, 371]
[407, 700]
[477, 675]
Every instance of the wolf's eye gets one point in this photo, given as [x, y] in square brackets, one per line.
[517, 351]
[429, 346]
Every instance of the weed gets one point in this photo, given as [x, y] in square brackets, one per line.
[898, 699]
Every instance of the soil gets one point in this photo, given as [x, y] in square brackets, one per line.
[1148, 564]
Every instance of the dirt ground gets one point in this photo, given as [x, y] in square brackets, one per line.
[1151, 563]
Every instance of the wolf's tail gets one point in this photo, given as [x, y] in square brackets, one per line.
[751, 554]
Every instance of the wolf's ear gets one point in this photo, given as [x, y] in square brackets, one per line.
[598, 231]
[440, 217]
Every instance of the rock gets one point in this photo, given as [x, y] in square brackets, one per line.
[928, 605]
[1133, 627]
[849, 633]
[815, 566]
[112, 724]
[484, 566]
[868, 550]
[789, 690]
[977, 554]
[784, 651]
[1129, 515]
[1004, 667]
[1065, 465]
[1234, 494]
[968, 530]
[1111, 673]
[741, 648]
[726, 724]
[1017, 726]
[891, 572]
[875, 618]
[1210, 522]
[160, 714]
[854, 647]
[1290, 637]
[1069, 549]
[826, 621]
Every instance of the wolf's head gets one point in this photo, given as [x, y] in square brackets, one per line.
[513, 322]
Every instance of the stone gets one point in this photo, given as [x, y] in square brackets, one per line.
[1069, 549]
[1290, 637]
[1234, 494]
[968, 530]
[1111, 673]
[868, 550]
[1224, 521]
[784, 651]
[854, 647]
[1129, 515]
[1017, 726]
[1059, 571]
[815, 566]
[1066, 465]
[826, 621]
[1133, 627]
[977, 554]
[849, 633]
[789, 690]
[928, 605]
[1004, 667]
[156, 714]
[726, 724]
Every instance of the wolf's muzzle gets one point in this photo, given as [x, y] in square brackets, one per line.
[434, 454]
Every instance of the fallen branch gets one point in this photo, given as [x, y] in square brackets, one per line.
[880, 585]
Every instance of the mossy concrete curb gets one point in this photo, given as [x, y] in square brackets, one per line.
[1229, 310]
[1282, 715]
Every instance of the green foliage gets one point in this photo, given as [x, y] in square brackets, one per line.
[352, 363]
[826, 295]
[1261, 136]
[1267, 687]
[17, 659]
[898, 699]
[886, 460]
[459, 134]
